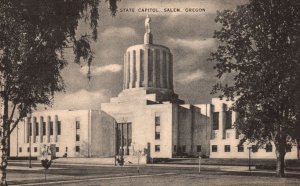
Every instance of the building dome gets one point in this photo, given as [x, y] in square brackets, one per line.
[148, 66]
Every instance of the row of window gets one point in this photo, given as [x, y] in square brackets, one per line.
[157, 131]
[77, 133]
[44, 126]
[228, 120]
[180, 148]
[214, 148]
[226, 135]
[35, 149]
[157, 126]
[124, 137]
[183, 148]
[240, 148]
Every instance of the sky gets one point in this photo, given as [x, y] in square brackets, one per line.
[188, 34]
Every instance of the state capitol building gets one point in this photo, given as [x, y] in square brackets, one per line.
[147, 117]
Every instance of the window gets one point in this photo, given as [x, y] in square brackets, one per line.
[51, 128]
[228, 120]
[36, 129]
[254, 148]
[35, 149]
[77, 124]
[58, 128]
[183, 148]
[124, 142]
[129, 141]
[44, 128]
[77, 148]
[20, 149]
[227, 148]
[77, 137]
[129, 133]
[269, 147]
[237, 134]
[28, 149]
[157, 148]
[134, 68]
[164, 68]
[150, 66]
[157, 120]
[157, 67]
[30, 129]
[289, 148]
[175, 148]
[57, 149]
[215, 120]
[240, 148]
[214, 148]
[198, 148]
[157, 135]
[142, 72]
[142, 65]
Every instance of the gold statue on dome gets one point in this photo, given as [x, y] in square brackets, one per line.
[147, 24]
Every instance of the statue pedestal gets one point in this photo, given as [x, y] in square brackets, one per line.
[148, 38]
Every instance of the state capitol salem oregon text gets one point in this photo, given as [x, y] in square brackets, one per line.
[162, 9]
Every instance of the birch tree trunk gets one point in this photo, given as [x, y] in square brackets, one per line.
[4, 132]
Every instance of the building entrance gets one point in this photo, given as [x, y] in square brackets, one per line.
[123, 138]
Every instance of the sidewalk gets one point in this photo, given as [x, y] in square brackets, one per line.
[13, 165]
[30, 169]
[21, 164]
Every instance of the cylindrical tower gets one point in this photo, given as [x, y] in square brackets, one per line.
[148, 66]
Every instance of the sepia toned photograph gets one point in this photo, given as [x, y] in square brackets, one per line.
[150, 92]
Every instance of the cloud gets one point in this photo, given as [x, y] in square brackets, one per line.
[193, 44]
[81, 99]
[187, 77]
[97, 71]
[121, 32]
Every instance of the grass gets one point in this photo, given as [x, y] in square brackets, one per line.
[259, 163]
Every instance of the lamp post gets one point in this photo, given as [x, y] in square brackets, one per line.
[30, 148]
[199, 163]
[17, 141]
[116, 142]
[30, 134]
[122, 145]
[249, 162]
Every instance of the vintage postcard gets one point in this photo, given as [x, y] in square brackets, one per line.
[142, 112]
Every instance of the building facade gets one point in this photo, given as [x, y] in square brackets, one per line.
[161, 125]
[146, 119]
[66, 133]
[225, 139]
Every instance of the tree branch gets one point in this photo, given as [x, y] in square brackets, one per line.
[12, 113]
[14, 125]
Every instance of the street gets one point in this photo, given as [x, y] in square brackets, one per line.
[59, 174]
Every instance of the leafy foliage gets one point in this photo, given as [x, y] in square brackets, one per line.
[260, 45]
[33, 36]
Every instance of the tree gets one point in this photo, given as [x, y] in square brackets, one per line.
[259, 44]
[33, 37]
